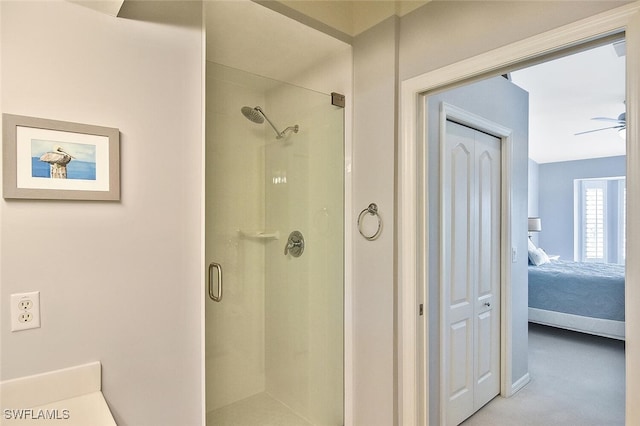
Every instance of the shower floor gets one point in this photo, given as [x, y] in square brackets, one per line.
[257, 410]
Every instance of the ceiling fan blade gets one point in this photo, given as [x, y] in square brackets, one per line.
[622, 126]
[611, 120]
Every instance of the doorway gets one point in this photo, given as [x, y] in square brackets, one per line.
[578, 148]
[413, 273]
[274, 237]
[557, 191]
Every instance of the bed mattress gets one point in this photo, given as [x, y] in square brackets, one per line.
[589, 289]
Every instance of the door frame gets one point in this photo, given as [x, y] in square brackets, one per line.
[505, 134]
[412, 245]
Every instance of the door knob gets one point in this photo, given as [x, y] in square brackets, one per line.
[487, 304]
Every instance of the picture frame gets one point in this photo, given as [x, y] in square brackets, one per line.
[59, 160]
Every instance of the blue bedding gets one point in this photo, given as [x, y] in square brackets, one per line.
[588, 289]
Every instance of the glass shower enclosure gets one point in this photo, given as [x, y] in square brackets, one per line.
[274, 246]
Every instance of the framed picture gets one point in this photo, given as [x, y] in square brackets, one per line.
[58, 160]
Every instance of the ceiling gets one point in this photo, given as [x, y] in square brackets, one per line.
[564, 95]
[110, 7]
[350, 17]
[247, 36]
[278, 39]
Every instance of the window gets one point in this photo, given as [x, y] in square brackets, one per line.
[600, 220]
[594, 195]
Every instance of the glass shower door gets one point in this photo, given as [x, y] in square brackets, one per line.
[274, 225]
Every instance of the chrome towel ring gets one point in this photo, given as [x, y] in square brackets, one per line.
[373, 211]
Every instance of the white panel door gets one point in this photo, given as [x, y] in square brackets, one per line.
[470, 271]
[488, 167]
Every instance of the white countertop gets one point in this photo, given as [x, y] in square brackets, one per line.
[71, 397]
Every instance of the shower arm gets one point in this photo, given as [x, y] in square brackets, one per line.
[279, 134]
[293, 129]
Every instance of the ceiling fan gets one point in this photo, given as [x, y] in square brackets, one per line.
[619, 123]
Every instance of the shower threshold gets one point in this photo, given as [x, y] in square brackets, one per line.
[257, 410]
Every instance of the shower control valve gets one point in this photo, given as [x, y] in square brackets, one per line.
[295, 244]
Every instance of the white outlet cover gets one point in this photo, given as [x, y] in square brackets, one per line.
[25, 305]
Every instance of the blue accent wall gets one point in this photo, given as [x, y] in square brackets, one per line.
[555, 198]
[534, 191]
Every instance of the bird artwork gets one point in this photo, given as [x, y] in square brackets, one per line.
[58, 160]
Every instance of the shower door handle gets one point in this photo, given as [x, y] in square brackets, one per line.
[212, 266]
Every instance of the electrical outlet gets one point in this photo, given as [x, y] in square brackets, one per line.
[25, 311]
[25, 304]
[25, 317]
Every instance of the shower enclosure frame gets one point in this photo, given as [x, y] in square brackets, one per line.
[347, 268]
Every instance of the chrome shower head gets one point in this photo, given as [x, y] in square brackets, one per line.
[253, 114]
[258, 116]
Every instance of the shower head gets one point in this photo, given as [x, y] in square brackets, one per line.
[253, 114]
[258, 116]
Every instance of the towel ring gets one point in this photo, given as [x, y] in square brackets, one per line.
[373, 211]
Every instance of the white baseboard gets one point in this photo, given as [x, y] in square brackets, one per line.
[520, 383]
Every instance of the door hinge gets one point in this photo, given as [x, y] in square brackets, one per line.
[421, 310]
[337, 99]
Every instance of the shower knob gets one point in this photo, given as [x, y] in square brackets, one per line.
[295, 244]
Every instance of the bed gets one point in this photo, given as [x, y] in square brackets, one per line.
[586, 297]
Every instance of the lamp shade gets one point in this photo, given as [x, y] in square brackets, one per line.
[535, 224]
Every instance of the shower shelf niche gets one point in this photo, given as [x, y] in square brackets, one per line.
[259, 235]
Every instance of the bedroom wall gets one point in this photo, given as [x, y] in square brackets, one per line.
[119, 282]
[502, 102]
[534, 190]
[556, 206]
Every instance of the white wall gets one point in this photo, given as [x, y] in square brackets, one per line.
[123, 284]
[374, 284]
[445, 32]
